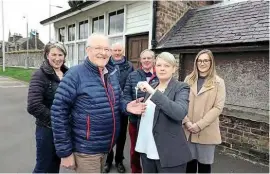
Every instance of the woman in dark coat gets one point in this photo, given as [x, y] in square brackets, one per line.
[41, 92]
[161, 140]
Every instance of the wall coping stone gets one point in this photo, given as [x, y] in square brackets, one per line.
[253, 114]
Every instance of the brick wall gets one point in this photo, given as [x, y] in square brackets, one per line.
[169, 12]
[245, 138]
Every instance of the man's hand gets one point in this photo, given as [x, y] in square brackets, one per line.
[68, 162]
[188, 125]
[136, 107]
[194, 128]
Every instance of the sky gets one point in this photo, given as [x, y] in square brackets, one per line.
[36, 10]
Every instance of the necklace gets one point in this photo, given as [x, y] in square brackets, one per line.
[162, 89]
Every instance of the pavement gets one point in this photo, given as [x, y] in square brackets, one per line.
[17, 134]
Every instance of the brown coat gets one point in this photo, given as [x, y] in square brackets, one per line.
[204, 109]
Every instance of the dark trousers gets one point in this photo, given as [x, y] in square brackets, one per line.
[120, 143]
[134, 156]
[46, 159]
[194, 166]
[154, 166]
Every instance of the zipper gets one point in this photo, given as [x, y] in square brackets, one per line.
[111, 105]
[88, 128]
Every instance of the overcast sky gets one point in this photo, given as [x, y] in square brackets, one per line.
[37, 10]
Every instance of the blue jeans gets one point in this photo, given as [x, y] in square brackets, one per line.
[46, 159]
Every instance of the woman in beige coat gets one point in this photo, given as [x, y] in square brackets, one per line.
[206, 102]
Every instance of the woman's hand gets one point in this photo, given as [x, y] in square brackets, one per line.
[145, 87]
[188, 125]
[194, 128]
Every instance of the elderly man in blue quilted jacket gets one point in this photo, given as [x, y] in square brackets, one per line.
[87, 108]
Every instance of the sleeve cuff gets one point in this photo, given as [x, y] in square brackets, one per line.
[64, 154]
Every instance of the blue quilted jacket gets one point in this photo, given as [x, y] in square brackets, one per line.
[86, 110]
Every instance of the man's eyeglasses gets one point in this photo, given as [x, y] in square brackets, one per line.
[203, 61]
[100, 49]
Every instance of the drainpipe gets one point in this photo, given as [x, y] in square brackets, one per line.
[154, 24]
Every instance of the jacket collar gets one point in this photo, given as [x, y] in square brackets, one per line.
[193, 87]
[48, 69]
[89, 65]
[142, 73]
[123, 65]
[170, 86]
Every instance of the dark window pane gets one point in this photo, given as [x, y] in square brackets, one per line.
[120, 11]
[61, 34]
[71, 32]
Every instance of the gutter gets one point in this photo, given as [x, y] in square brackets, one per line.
[154, 24]
[72, 11]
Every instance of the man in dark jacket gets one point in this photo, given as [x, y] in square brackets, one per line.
[86, 110]
[125, 67]
[145, 73]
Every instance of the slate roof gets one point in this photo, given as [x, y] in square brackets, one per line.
[242, 22]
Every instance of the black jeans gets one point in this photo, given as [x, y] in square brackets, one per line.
[194, 166]
[120, 143]
[46, 159]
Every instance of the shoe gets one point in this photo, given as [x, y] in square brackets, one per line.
[120, 167]
[107, 168]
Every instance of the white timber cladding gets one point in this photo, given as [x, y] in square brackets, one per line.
[137, 19]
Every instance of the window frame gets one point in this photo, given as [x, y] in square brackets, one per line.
[119, 11]
[85, 24]
[101, 17]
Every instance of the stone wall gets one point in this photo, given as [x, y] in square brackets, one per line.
[18, 59]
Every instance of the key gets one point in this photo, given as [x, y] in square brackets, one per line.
[136, 93]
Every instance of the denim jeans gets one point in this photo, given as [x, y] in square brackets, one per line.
[46, 159]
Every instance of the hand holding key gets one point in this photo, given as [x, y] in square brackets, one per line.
[145, 87]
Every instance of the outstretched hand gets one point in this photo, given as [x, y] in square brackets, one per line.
[136, 107]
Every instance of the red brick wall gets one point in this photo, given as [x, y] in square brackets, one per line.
[245, 138]
[169, 12]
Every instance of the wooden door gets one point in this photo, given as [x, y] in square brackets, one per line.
[135, 45]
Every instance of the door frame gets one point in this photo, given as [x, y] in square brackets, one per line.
[127, 37]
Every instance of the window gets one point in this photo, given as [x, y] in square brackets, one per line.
[70, 51]
[71, 32]
[81, 52]
[83, 29]
[98, 25]
[61, 32]
[116, 40]
[116, 22]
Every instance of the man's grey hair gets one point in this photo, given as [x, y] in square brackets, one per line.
[117, 44]
[147, 50]
[95, 36]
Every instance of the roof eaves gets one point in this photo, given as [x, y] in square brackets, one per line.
[67, 13]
